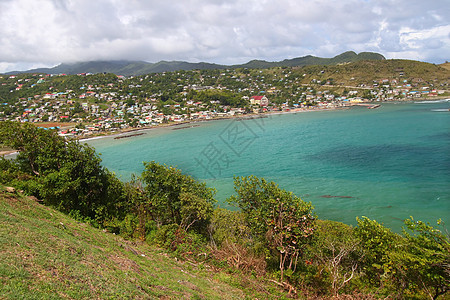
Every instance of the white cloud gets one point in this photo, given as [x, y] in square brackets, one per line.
[53, 31]
[416, 39]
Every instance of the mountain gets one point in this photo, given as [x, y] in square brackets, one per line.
[123, 67]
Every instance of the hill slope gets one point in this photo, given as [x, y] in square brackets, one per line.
[46, 255]
[140, 67]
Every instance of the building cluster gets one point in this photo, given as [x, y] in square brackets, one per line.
[117, 102]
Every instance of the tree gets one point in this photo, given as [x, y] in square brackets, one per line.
[412, 264]
[77, 108]
[378, 241]
[64, 173]
[138, 204]
[39, 150]
[176, 198]
[278, 218]
[335, 247]
[423, 261]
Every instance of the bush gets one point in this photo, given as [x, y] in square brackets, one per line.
[64, 173]
[277, 218]
[177, 198]
[377, 241]
[180, 242]
[228, 226]
[128, 226]
[241, 258]
[333, 256]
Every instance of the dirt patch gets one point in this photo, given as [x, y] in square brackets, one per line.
[189, 285]
[8, 198]
[125, 264]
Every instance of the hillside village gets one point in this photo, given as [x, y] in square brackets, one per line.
[101, 103]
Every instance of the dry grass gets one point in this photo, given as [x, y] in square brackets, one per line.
[240, 258]
[446, 65]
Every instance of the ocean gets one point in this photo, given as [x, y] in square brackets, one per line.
[387, 164]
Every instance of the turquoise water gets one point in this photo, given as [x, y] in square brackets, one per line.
[387, 163]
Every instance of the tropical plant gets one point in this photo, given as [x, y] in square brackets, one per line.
[64, 173]
[335, 250]
[377, 241]
[176, 198]
[423, 261]
[276, 217]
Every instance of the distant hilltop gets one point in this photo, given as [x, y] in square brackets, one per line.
[128, 68]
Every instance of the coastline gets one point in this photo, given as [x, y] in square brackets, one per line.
[125, 132]
[122, 133]
[307, 157]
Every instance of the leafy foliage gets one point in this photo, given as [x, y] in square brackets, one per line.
[336, 252]
[378, 241]
[177, 212]
[228, 226]
[414, 264]
[176, 198]
[65, 174]
[423, 262]
[280, 218]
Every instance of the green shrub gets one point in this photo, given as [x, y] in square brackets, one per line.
[277, 218]
[128, 226]
[177, 198]
[377, 241]
[333, 257]
[180, 242]
[64, 173]
[228, 226]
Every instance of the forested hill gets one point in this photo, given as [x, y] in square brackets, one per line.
[127, 68]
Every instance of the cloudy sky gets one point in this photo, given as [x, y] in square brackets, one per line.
[37, 33]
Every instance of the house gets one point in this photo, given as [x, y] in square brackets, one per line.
[259, 100]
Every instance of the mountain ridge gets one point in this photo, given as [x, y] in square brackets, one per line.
[127, 68]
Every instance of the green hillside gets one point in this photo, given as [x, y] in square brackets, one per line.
[46, 255]
[366, 72]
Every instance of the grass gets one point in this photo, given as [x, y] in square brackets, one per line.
[44, 254]
[446, 65]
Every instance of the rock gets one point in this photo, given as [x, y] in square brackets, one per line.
[10, 189]
[35, 199]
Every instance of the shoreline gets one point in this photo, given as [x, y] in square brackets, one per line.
[122, 133]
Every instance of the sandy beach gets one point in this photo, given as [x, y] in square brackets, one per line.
[131, 131]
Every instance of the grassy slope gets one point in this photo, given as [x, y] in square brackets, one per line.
[45, 254]
[445, 65]
[368, 71]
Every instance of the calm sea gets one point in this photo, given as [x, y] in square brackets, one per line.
[387, 163]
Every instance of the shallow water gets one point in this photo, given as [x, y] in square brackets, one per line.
[387, 163]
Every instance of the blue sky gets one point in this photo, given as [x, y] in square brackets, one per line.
[48, 32]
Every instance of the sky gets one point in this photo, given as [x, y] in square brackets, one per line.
[45, 33]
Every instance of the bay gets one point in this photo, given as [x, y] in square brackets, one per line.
[387, 163]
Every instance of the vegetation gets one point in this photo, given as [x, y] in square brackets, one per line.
[86, 104]
[273, 242]
[65, 174]
[278, 220]
[45, 254]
